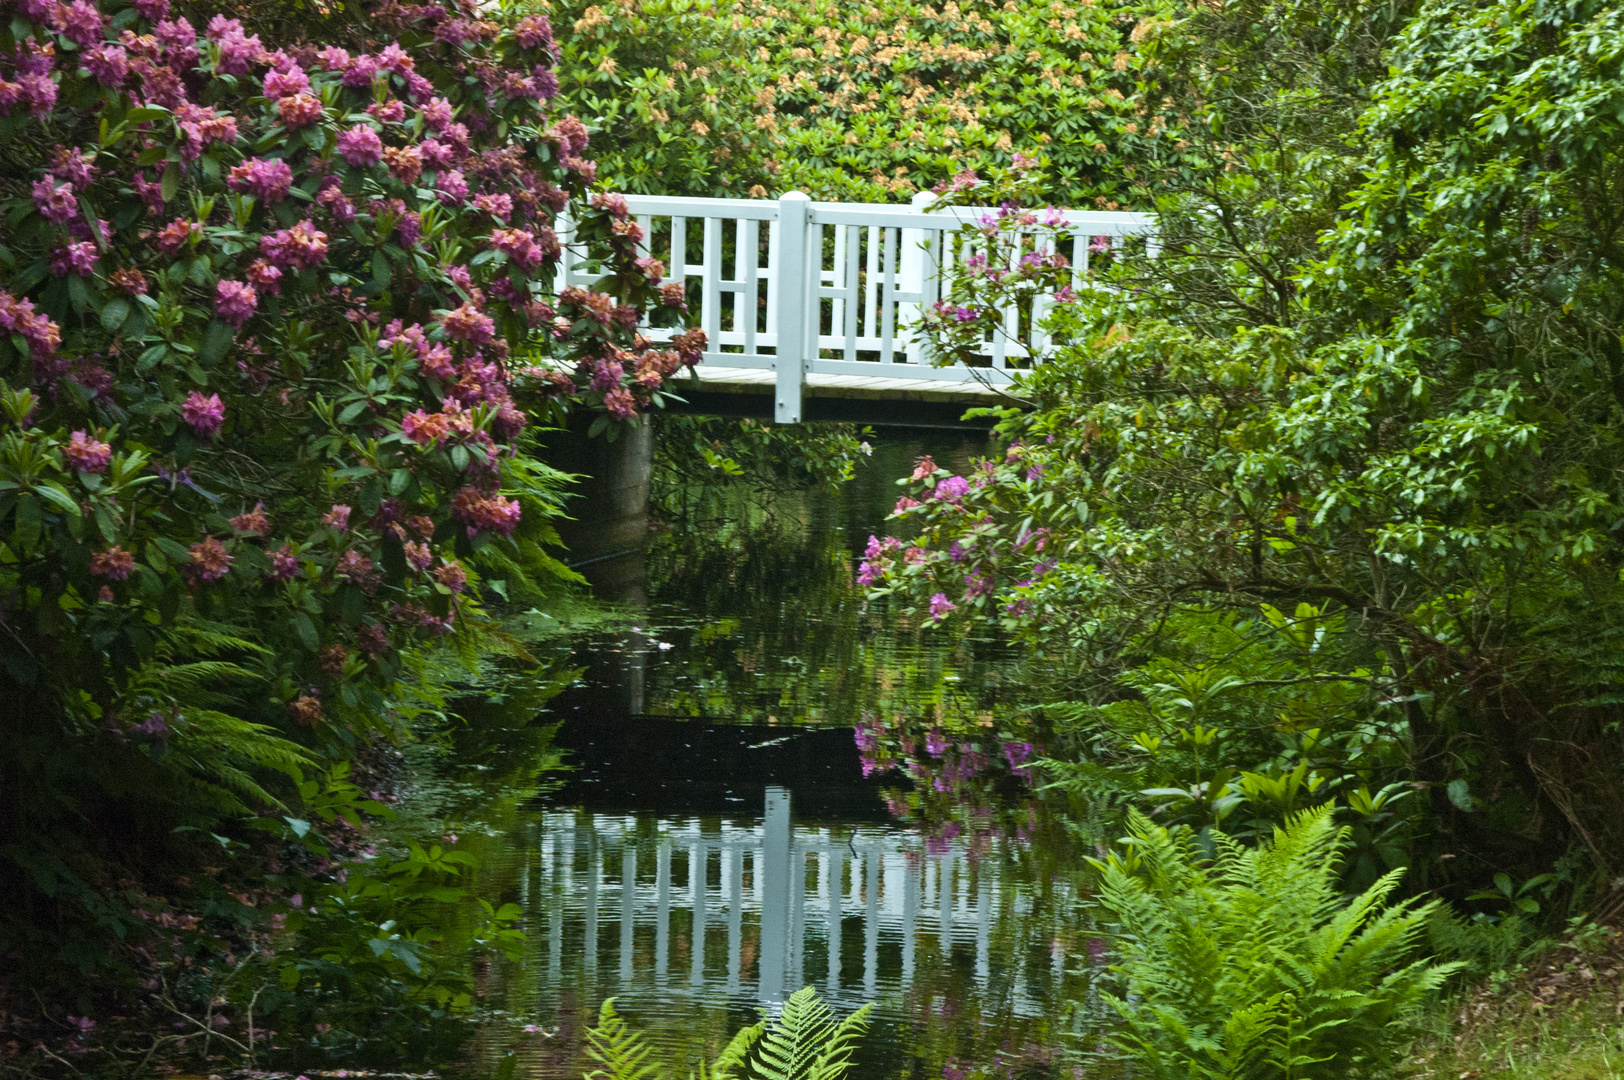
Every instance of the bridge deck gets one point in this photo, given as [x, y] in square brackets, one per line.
[868, 399]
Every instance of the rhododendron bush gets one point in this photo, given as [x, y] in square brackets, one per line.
[275, 322]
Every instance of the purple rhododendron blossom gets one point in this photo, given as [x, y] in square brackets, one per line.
[360, 146]
[952, 490]
[268, 180]
[204, 414]
[235, 302]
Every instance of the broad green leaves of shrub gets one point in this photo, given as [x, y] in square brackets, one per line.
[1256, 965]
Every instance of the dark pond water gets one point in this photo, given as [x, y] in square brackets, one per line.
[772, 785]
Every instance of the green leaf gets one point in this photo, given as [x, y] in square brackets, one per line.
[57, 495]
[169, 186]
[113, 314]
[306, 631]
[216, 342]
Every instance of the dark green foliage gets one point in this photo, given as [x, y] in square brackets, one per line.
[1372, 378]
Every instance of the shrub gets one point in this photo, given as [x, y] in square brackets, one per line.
[672, 87]
[275, 323]
[1256, 965]
[876, 101]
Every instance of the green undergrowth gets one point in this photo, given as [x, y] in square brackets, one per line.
[1559, 1015]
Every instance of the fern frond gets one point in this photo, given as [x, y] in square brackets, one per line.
[834, 1059]
[731, 1060]
[794, 1038]
[622, 1053]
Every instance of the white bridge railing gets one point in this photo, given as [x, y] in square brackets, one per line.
[806, 288]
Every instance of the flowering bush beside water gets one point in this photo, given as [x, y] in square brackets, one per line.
[276, 320]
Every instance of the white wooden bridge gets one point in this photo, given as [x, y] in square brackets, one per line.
[813, 299]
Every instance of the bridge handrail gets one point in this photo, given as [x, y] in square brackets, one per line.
[860, 276]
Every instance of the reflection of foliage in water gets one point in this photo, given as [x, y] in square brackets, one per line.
[787, 636]
[390, 959]
[789, 639]
[703, 462]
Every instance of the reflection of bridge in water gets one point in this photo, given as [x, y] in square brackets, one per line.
[739, 913]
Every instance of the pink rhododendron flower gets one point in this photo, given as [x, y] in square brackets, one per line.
[405, 163]
[479, 511]
[153, 11]
[253, 521]
[453, 188]
[337, 518]
[268, 180]
[266, 277]
[519, 245]
[337, 204]
[418, 556]
[76, 257]
[56, 202]
[237, 51]
[202, 126]
[360, 146]
[424, 428]
[360, 72]
[356, 567]
[179, 41]
[534, 32]
[299, 110]
[438, 363]
[437, 155]
[115, 563]
[204, 414]
[235, 302]
[452, 576]
[606, 374]
[373, 639]
[86, 454]
[280, 84]
[210, 559]
[177, 234]
[468, 323]
[952, 490]
[620, 404]
[499, 205]
[19, 317]
[395, 59]
[283, 564]
[303, 246]
[81, 23]
[108, 65]
[392, 111]
[437, 113]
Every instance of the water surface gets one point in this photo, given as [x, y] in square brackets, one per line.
[774, 784]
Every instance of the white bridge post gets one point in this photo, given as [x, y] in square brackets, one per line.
[793, 279]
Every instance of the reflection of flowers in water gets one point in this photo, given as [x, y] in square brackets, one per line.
[962, 787]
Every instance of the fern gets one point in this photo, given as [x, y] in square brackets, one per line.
[804, 1042]
[622, 1053]
[733, 1058]
[1256, 966]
